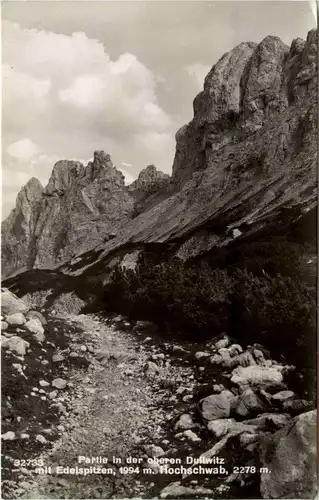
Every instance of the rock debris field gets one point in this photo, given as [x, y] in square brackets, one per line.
[91, 392]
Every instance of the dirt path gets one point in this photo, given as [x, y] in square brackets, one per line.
[116, 410]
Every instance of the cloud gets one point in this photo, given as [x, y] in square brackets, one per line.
[126, 164]
[70, 97]
[24, 148]
[155, 141]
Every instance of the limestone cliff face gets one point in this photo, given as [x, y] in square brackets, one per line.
[19, 227]
[247, 89]
[247, 161]
[79, 208]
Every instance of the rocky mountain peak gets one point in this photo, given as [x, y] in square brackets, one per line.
[243, 91]
[28, 198]
[102, 167]
[80, 207]
[150, 178]
[63, 175]
[31, 192]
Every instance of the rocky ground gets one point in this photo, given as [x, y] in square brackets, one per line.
[94, 386]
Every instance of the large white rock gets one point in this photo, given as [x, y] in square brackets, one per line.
[201, 354]
[16, 344]
[255, 375]
[192, 436]
[221, 426]
[276, 420]
[8, 436]
[217, 406]
[11, 304]
[176, 490]
[154, 451]
[291, 455]
[59, 383]
[222, 343]
[185, 422]
[37, 315]
[34, 326]
[248, 404]
[283, 396]
[16, 319]
[235, 349]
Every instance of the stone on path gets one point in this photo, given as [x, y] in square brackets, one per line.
[8, 436]
[185, 422]
[256, 376]
[16, 319]
[59, 383]
[217, 405]
[16, 344]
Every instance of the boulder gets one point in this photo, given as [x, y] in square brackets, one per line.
[59, 383]
[224, 353]
[247, 438]
[8, 436]
[244, 359]
[152, 369]
[235, 349]
[192, 436]
[16, 319]
[221, 426]
[218, 388]
[185, 422]
[291, 455]
[283, 396]
[255, 375]
[201, 355]
[11, 304]
[222, 343]
[248, 404]
[4, 325]
[216, 406]
[57, 358]
[34, 326]
[37, 315]
[39, 337]
[41, 439]
[270, 421]
[176, 490]
[295, 406]
[154, 451]
[16, 344]
[259, 357]
[44, 383]
[216, 359]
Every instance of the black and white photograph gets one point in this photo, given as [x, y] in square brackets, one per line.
[159, 249]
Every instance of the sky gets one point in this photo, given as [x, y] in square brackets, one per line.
[121, 76]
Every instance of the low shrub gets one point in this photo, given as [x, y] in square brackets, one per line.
[199, 302]
[271, 257]
[279, 313]
[192, 300]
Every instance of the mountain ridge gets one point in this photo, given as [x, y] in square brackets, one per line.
[79, 207]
